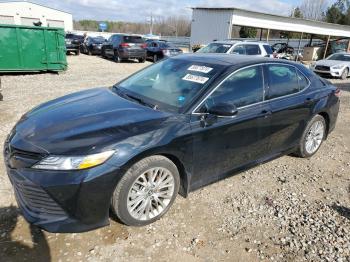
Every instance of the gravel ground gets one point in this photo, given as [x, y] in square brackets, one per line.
[289, 209]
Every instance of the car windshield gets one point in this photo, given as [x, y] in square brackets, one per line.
[98, 40]
[170, 84]
[340, 57]
[71, 36]
[215, 48]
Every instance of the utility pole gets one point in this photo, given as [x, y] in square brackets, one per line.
[151, 27]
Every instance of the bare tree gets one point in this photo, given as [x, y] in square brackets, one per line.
[313, 9]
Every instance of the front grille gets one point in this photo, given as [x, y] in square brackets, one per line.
[35, 201]
[322, 68]
[16, 158]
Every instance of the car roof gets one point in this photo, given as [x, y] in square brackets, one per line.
[230, 59]
[232, 42]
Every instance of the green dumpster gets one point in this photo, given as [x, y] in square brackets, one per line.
[32, 49]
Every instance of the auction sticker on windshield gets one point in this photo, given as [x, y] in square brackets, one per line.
[196, 79]
[202, 69]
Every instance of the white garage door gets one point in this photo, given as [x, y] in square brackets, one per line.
[55, 23]
[29, 21]
[8, 20]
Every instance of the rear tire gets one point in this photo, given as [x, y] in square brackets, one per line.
[77, 52]
[345, 74]
[116, 57]
[155, 58]
[142, 60]
[312, 138]
[146, 191]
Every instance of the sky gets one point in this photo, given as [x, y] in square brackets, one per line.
[139, 10]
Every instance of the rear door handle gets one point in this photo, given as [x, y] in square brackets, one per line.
[309, 100]
[266, 113]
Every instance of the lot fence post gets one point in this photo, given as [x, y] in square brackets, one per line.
[326, 49]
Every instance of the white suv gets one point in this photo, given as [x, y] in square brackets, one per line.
[238, 48]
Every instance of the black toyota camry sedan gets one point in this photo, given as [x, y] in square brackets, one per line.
[173, 127]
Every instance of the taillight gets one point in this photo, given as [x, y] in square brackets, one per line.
[144, 46]
[337, 92]
[124, 45]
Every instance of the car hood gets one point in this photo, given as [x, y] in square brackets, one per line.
[329, 63]
[83, 122]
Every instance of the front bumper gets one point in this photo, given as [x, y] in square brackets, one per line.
[64, 202]
[331, 71]
[72, 47]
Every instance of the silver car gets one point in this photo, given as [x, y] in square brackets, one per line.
[336, 65]
[238, 48]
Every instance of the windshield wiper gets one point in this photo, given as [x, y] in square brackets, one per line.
[137, 99]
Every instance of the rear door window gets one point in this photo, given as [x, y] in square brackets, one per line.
[252, 50]
[283, 80]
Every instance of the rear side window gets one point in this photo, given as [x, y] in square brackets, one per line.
[303, 81]
[133, 39]
[283, 80]
[243, 88]
[268, 49]
[252, 50]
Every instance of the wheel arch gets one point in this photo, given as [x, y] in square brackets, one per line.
[184, 174]
[327, 119]
[184, 180]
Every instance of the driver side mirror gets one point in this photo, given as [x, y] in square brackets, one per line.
[223, 109]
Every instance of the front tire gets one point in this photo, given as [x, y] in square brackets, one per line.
[146, 192]
[345, 74]
[313, 137]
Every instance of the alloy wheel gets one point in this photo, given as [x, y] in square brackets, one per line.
[315, 137]
[151, 193]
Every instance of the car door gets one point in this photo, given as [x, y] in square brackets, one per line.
[222, 144]
[149, 49]
[290, 106]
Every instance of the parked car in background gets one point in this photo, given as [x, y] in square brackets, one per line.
[280, 48]
[336, 65]
[176, 126]
[73, 43]
[123, 47]
[92, 45]
[238, 48]
[159, 49]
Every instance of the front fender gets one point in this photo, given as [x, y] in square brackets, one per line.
[173, 141]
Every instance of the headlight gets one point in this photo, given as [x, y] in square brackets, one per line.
[338, 66]
[73, 162]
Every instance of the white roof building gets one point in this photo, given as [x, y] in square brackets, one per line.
[27, 13]
[210, 23]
